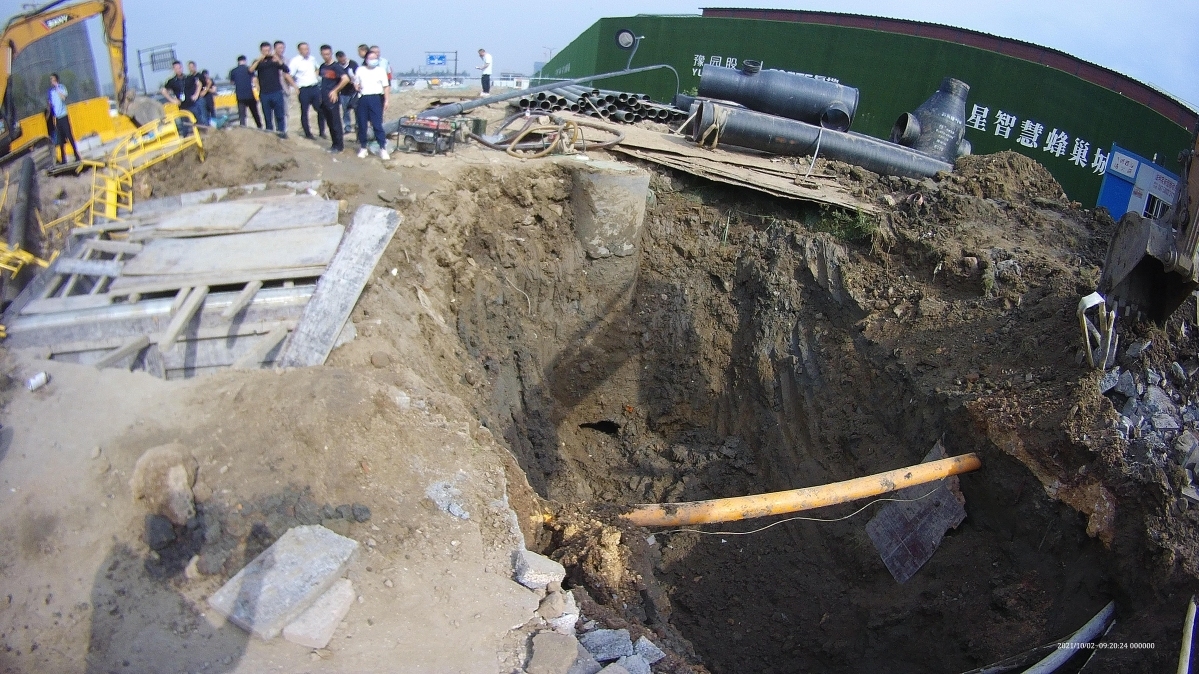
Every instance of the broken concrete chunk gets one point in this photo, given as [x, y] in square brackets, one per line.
[552, 606]
[1164, 422]
[1157, 400]
[315, 626]
[565, 622]
[284, 580]
[553, 653]
[1109, 380]
[1191, 493]
[614, 669]
[535, 571]
[1178, 372]
[1137, 348]
[585, 663]
[608, 645]
[648, 650]
[634, 664]
[1126, 386]
[162, 479]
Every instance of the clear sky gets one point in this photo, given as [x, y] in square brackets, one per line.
[1155, 42]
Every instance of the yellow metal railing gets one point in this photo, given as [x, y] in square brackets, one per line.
[112, 180]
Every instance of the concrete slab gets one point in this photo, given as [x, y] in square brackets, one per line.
[648, 650]
[314, 628]
[553, 653]
[635, 664]
[284, 580]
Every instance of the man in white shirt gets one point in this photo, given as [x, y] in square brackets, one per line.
[486, 68]
[374, 96]
[303, 69]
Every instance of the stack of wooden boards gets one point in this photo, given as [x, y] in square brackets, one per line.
[180, 288]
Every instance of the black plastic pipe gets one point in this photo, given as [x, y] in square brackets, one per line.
[938, 126]
[778, 92]
[725, 125]
[452, 109]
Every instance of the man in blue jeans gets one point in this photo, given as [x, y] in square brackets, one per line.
[272, 72]
[374, 92]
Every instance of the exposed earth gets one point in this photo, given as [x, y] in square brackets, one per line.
[752, 344]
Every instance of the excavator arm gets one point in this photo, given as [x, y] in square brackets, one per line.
[24, 29]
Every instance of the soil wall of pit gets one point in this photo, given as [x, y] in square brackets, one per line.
[745, 348]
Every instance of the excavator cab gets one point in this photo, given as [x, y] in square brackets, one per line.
[1150, 268]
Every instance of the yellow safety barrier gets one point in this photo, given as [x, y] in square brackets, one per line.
[14, 259]
[112, 180]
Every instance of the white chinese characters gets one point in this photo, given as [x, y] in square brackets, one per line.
[1056, 142]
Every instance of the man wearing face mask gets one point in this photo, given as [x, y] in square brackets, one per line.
[374, 96]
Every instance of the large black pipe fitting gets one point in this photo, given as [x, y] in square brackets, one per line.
[781, 93]
[777, 135]
[937, 128]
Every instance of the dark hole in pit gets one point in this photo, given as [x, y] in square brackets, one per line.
[606, 426]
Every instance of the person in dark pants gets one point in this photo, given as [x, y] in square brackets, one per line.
[175, 91]
[485, 80]
[56, 101]
[272, 73]
[195, 93]
[303, 67]
[243, 88]
[371, 81]
[333, 80]
[349, 97]
[209, 95]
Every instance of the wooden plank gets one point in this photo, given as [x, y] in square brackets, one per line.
[339, 288]
[761, 181]
[243, 299]
[291, 212]
[253, 358]
[52, 305]
[90, 267]
[182, 317]
[128, 285]
[228, 216]
[280, 249]
[129, 348]
[114, 324]
[113, 247]
[91, 350]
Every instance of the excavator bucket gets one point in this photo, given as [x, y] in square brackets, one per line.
[1137, 275]
[1150, 269]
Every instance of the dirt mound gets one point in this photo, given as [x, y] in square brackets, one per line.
[1006, 175]
[245, 156]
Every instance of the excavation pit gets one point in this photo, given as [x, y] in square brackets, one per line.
[749, 345]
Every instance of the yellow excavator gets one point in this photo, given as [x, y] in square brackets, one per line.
[1151, 267]
[95, 115]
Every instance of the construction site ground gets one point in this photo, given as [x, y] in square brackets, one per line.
[766, 344]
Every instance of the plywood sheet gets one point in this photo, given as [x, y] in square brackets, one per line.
[222, 216]
[280, 249]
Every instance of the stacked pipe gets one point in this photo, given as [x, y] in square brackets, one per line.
[791, 114]
[616, 106]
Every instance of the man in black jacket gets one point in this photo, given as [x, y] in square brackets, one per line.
[272, 73]
[243, 87]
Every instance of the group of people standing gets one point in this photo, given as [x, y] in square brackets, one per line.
[194, 91]
[333, 86]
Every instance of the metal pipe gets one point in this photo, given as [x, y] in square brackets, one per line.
[451, 109]
[717, 123]
[782, 93]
